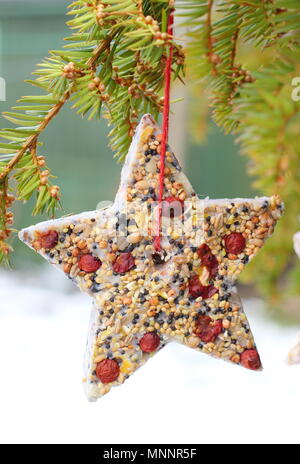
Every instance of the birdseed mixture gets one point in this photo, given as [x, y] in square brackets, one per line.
[143, 298]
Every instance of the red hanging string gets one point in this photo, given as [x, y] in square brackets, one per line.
[165, 132]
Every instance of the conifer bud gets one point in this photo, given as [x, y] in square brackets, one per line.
[54, 191]
[9, 217]
[41, 161]
[92, 86]
[214, 58]
[9, 200]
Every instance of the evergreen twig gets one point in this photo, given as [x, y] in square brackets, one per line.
[247, 69]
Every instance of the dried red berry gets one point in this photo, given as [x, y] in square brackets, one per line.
[196, 289]
[124, 263]
[208, 259]
[149, 342]
[251, 360]
[89, 263]
[208, 291]
[107, 370]
[48, 240]
[172, 206]
[203, 250]
[207, 330]
[235, 243]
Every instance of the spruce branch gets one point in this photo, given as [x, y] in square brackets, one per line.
[256, 54]
[24, 165]
[269, 122]
[32, 139]
[111, 66]
[6, 219]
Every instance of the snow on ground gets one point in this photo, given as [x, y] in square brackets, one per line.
[180, 396]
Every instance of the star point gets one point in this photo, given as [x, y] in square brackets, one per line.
[144, 298]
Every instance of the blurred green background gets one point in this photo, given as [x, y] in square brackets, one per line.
[77, 150]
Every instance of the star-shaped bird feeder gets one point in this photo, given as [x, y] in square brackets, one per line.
[144, 298]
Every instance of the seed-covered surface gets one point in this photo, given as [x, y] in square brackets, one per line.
[144, 298]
